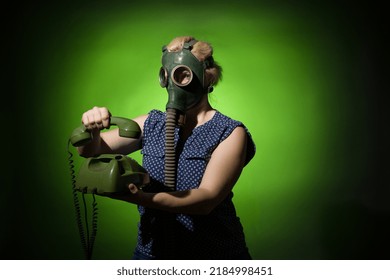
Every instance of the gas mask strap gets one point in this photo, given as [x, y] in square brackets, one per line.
[189, 45]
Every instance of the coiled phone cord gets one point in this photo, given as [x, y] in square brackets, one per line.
[87, 241]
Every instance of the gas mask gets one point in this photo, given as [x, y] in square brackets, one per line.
[183, 75]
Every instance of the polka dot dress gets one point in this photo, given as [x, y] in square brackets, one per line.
[163, 235]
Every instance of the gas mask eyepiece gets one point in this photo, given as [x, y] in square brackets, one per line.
[163, 77]
[181, 76]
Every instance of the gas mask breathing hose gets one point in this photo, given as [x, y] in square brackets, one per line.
[182, 74]
[170, 154]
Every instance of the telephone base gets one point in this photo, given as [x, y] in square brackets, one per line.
[110, 174]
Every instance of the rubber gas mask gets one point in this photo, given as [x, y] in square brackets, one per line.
[183, 75]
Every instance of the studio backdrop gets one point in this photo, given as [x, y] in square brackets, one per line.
[301, 76]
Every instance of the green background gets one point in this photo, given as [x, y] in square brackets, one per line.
[304, 77]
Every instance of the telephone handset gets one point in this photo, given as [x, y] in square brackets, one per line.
[127, 128]
[109, 173]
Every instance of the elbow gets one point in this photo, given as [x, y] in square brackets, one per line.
[206, 208]
[204, 211]
[201, 209]
[195, 202]
[210, 201]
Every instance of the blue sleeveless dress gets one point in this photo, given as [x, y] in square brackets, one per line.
[162, 235]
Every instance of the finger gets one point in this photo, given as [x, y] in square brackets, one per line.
[105, 116]
[102, 117]
[97, 117]
[86, 120]
[133, 188]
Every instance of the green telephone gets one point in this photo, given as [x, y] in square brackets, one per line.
[102, 175]
[109, 173]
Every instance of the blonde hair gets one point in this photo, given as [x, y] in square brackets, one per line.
[202, 51]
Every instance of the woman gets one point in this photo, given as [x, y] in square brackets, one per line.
[197, 220]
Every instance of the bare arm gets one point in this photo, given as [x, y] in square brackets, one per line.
[108, 142]
[221, 174]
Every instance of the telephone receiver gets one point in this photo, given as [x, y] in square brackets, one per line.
[127, 128]
[109, 173]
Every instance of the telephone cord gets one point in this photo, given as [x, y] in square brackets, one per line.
[87, 240]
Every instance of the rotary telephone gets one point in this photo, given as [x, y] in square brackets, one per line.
[109, 173]
[102, 175]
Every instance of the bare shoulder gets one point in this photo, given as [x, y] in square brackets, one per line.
[234, 146]
[237, 137]
[239, 133]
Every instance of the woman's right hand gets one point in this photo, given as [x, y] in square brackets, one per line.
[107, 142]
[96, 118]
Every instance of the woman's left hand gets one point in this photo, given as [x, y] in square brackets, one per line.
[133, 196]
